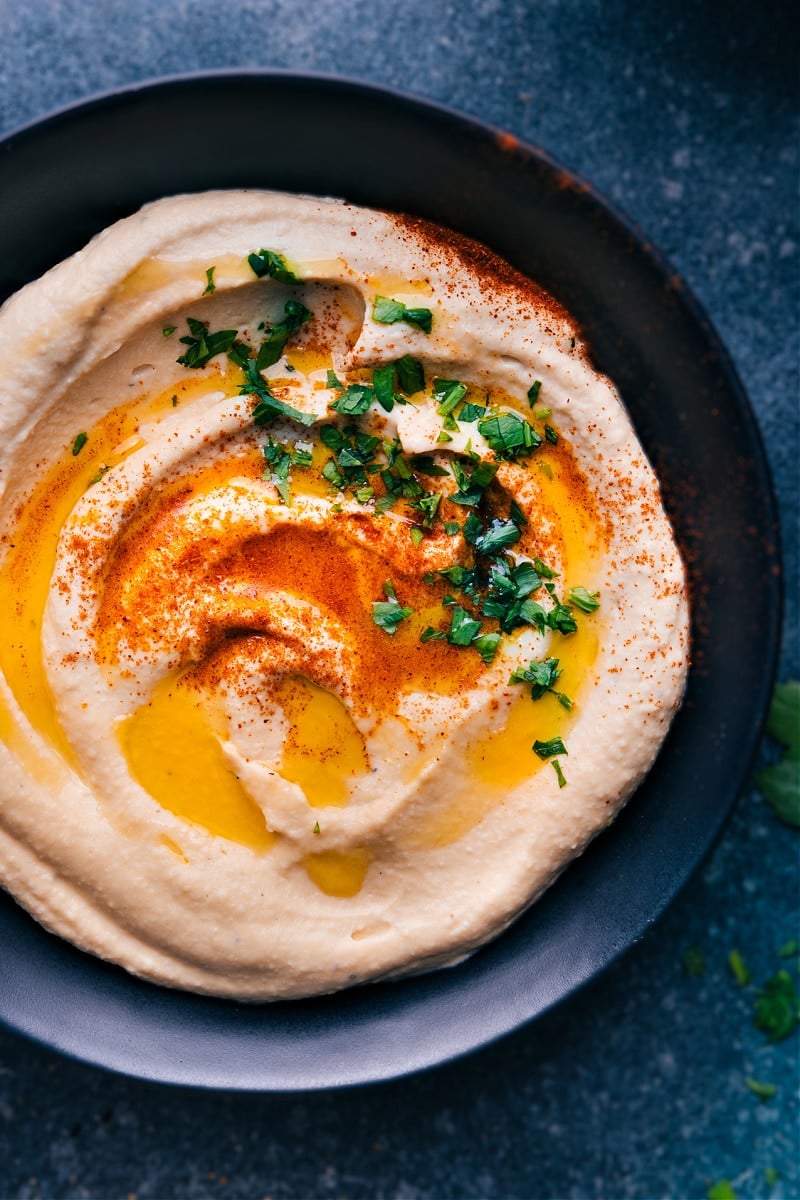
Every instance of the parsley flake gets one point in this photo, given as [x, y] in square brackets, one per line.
[210, 287]
[780, 783]
[202, 345]
[694, 962]
[387, 614]
[549, 749]
[509, 435]
[267, 262]
[533, 392]
[295, 314]
[80, 441]
[764, 1091]
[269, 406]
[587, 602]
[389, 312]
[168, 330]
[721, 1190]
[777, 1008]
[739, 968]
[556, 765]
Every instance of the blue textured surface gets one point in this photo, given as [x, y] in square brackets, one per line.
[688, 120]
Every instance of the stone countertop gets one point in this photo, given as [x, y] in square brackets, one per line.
[686, 118]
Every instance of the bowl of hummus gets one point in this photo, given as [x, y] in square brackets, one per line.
[342, 606]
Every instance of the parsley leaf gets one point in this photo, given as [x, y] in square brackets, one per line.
[202, 345]
[549, 749]
[739, 968]
[389, 312]
[533, 392]
[210, 287]
[764, 1091]
[383, 381]
[463, 628]
[556, 765]
[777, 1008]
[168, 330]
[295, 314]
[780, 782]
[509, 435]
[587, 602]
[410, 375]
[497, 537]
[694, 962]
[355, 401]
[721, 1190]
[269, 406]
[80, 441]
[486, 645]
[267, 262]
[387, 614]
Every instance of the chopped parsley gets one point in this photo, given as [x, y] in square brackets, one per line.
[463, 628]
[168, 330]
[387, 614]
[202, 345]
[780, 782]
[295, 314]
[556, 765]
[509, 435]
[210, 287]
[499, 536]
[586, 601]
[721, 1190]
[103, 470]
[533, 393]
[542, 676]
[739, 968]
[80, 441]
[269, 406]
[280, 460]
[777, 1009]
[354, 401]
[410, 375]
[764, 1091]
[267, 262]
[549, 749]
[694, 962]
[383, 384]
[389, 312]
[316, 828]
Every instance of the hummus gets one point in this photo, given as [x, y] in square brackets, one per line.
[340, 607]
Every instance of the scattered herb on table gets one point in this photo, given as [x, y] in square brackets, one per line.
[739, 968]
[764, 1091]
[777, 1007]
[780, 783]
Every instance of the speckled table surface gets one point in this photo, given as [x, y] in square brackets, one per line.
[686, 117]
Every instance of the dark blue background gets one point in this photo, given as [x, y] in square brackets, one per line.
[686, 117]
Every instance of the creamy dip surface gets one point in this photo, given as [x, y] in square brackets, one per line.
[340, 609]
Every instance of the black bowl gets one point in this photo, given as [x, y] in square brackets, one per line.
[70, 175]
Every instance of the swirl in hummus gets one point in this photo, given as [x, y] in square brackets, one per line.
[340, 606]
